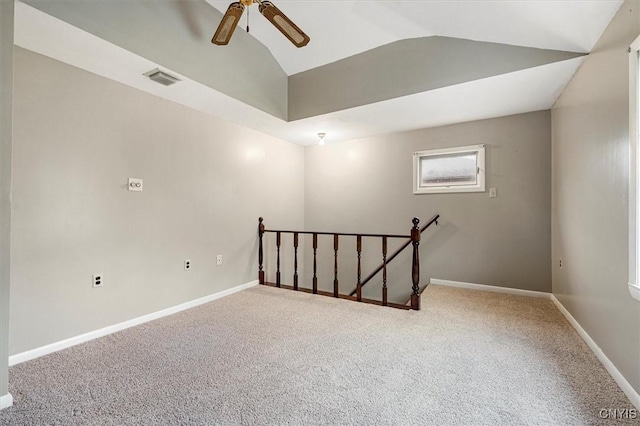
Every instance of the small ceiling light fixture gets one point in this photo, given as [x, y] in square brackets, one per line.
[321, 136]
[161, 77]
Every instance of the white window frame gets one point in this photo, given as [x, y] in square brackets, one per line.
[634, 162]
[479, 186]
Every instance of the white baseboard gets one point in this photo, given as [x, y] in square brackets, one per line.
[6, 401]
[628, 390]
[493, 288]
[63, 344]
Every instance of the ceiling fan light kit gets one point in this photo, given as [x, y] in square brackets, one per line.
[279, 20]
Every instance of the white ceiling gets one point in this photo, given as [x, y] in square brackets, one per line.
[342, 28]
[555, 24]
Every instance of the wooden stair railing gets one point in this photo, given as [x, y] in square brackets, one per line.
[383, 265]
[414, 240]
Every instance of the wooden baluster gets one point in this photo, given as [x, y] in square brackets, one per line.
[315, 264]
[295, 261]
[335, 265]
[415, 269]
[260, 253]
[384, 271]
[278, 241]
[359, 250]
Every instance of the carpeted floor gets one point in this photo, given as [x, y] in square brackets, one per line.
[271, 356]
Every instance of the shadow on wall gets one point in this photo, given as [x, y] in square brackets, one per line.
[399, 279]
[189, 16]
[252, 263]
[436, 241]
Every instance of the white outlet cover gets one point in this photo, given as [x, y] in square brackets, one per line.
[219, 259]
[187, 265]
[95, 278]
[135, 184]
[493, 193]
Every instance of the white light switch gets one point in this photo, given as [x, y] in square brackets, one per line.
[492, 193]
[135, 184]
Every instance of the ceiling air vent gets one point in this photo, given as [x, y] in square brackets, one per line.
[162, 77]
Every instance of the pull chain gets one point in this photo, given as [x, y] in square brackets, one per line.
[248, 12]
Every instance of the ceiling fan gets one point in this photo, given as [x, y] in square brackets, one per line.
[270, 11]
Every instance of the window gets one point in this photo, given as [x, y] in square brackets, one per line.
[459, 169]
[634, 176]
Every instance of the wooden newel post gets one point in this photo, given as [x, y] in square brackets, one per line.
[260, 252]
[335, 266]
[295, 261]
[278, 243]
[384, 272]
[415, 269]
[315, 265]
[359, 282]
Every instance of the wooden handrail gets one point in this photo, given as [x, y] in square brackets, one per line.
[433, 220]
[413, 239]
[342, 234]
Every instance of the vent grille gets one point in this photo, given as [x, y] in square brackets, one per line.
[162, 77]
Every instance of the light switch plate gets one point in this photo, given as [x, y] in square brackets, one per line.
[135, 184]
[492, 193]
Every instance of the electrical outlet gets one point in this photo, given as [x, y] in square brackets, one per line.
[135, 184]
[560, 263]
[187, 264]
[219, 260]
[97, 280]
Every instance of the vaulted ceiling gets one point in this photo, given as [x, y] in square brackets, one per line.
[372, 67]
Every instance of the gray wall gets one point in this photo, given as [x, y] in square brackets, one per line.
[406, 67]
[78, 137]
[366, 186]
[590, 197]
[6, 90]
[246, 70]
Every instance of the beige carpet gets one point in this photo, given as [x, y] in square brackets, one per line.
[271, 356]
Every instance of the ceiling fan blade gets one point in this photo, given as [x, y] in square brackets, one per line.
[284, 24]
[228, 24]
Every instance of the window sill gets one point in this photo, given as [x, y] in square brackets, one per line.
[634, 289]
[450, 190]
